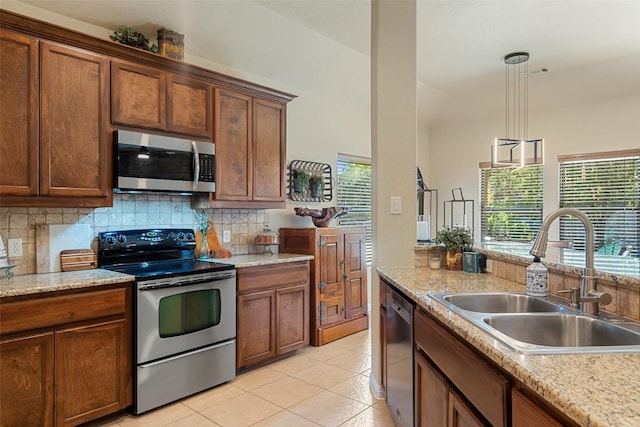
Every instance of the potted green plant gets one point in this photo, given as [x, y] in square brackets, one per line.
[301, 181]
[133, 38]
[455, 239]
[316, 185]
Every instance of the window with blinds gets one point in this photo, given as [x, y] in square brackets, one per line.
[354, 192]
[511, 203]
[607, 188]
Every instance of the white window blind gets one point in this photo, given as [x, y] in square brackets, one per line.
[608, 191]
[511, 203]
[354, 192]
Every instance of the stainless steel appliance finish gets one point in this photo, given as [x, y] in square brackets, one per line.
[146, 162]
[185, 324]
[399, 345]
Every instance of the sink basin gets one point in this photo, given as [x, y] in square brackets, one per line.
[562, 330]
[543, 325]
[501, 303]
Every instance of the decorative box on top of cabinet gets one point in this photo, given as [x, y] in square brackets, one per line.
[54, 119]
[338, 278]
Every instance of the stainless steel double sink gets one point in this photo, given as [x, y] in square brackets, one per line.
[543, 325]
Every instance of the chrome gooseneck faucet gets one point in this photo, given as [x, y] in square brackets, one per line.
[588, 291]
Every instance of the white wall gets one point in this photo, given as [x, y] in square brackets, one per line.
[456, 149]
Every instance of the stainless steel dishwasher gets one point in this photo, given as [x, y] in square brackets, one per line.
[399, 343]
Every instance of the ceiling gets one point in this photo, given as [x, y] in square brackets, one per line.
[592, 48]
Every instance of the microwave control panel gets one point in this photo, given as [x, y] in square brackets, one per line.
[207, 167]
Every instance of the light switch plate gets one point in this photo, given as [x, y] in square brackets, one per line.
[226, 236]
[396, 205]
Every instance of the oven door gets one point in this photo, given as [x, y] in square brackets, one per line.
[184, 313]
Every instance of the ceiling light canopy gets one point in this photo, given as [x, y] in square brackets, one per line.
[515, 149]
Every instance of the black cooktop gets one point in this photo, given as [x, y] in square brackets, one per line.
[153, 253]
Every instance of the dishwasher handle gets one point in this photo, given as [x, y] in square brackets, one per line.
[401, 311]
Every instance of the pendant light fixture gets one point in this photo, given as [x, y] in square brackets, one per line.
[516, 149]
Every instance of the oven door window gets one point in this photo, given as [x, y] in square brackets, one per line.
[188, 312]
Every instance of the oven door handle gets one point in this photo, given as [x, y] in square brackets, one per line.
[191, 353]
[177, 282]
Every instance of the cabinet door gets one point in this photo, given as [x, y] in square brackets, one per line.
[331, 262]
[256, 337]
[269, 148]
[430, 394]
[26, 375]
[355, 270]
[189, 104]
[526, 413]
[93, 371]
[233, 138]
[18, 114]
[138, 96]
[74, 146]
[292, 312]
[461, 414]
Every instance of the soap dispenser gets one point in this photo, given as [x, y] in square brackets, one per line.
[537, 279]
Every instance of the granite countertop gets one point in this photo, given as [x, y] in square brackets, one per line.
[594, 390]
[252, 260]
[29, 284]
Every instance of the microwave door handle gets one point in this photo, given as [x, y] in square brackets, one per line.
[196, 165]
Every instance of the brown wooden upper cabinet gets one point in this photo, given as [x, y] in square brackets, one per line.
[250, 151]
[150, 98]
[54, 124]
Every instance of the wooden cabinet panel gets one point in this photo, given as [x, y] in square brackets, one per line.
[26, 378]
[355, 293]
[481, 385]
[256, 327]
[74, 145]
[269, 147]
[18, 114]
[431, 393]
[273, 311]
[461, 414]
[91, 372]
[292, 313]
[526, 413]
[233, 138]
[138, 96]
[337, 282]
[189, 106]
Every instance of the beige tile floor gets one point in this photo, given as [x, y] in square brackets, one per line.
[318, 386]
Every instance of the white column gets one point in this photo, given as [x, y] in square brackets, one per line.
[393, 146]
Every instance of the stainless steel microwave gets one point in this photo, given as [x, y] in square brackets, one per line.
[146, 162]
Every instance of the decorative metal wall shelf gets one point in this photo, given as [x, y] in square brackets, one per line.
[307, 193]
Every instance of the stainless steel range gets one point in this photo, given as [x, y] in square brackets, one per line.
[185, 313]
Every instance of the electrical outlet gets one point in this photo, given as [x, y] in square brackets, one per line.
[15, 247]
[226, 236]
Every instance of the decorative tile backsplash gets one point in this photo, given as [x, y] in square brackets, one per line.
[130, 212]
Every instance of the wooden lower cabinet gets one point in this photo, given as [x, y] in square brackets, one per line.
[273, 311]
[455, 386]
[26, 381]
[76, 368]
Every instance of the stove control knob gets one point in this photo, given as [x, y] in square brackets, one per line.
[121, 238]
[181, 235]
[110, 240]
[190, 236]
